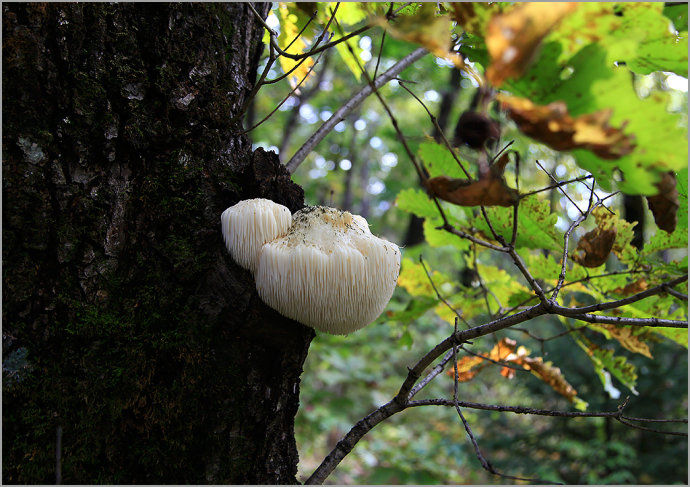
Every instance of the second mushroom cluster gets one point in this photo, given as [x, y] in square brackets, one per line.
[321, 266]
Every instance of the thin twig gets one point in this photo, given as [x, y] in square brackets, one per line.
[651, 420]
[311, 52]
[486, 465]
[674, 293]
[286, 97]
[434, 120]
[622, 302]
[651, 430]
[566, 242]
[451, 229]
[514, 409]
[438, 294]
[560, 189]
[557, 185]
[378, 58]
[349, 106]
[618, 320]
[431, 375]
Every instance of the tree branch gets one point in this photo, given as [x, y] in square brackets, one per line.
[618, 320]
[350, 105]
[621, 302]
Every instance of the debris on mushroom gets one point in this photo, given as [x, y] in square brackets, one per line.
[329, 272]
[249, 224]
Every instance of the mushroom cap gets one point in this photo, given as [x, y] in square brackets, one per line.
[329, 272]
[251, 223]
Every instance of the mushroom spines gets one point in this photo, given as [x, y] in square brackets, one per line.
[329, 272]
[249, 224]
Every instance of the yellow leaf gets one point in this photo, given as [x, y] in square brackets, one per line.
[288, 33]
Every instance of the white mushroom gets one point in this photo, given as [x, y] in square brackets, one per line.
[329, 272]
[251, 223]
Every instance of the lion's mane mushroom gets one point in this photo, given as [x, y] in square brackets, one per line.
[329, 272]
[249, 224]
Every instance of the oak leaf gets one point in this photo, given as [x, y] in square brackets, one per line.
[489, 190]
[552, 125]
[664, 206]
[513, 38]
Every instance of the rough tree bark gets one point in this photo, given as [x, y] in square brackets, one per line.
[144, 342]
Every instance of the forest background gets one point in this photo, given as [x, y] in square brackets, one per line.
[127, 327]
[362, 166]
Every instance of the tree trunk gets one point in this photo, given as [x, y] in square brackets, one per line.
[136, 334]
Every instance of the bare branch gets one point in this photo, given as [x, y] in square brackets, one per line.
[285, 98]
[514, 409]
[675, 294]
[651, 430]
[438, 294]
[559, 188]
[431, 375]
[618, 320]
[622, 302]
[557, 185]
[350, 105]
[451, 229]
[566, 242]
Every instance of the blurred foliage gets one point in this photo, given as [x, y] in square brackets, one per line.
[625, 60]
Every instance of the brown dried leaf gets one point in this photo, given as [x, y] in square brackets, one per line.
[463, 13]
[467, 364]
[632, 288]
[594, 247]
[549, 374]
[466, 370]
[514, 37]
[552, 125]
[664, 205]
[502, 349]
[489, 190]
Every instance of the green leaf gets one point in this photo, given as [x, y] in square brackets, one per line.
[678, 13]
[350, 14]
[588, 82]
[414, 280]
[636, 33]
[416, 201]
[678, 335]
[536, 224]
[414, 309]
[501, 284]
[441, 238]
[406, 340]
[439, 161]
[347, 58]
[604, 359]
